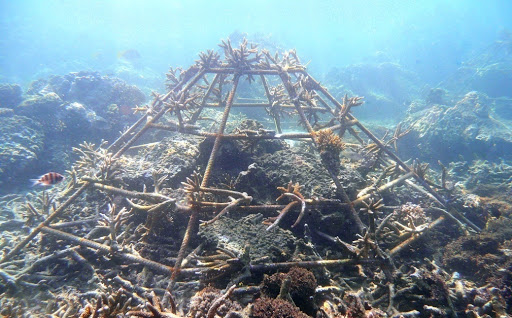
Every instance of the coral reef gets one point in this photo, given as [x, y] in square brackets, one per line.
[40, 105]
[10, 95]
[186, 198]
[480, 257]
[467, 129]
[21, 143]
[97, 105]
[67, 110]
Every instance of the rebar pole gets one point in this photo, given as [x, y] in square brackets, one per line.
[377, 141]
[106, 249]
[127, 132]
[277, 119]
[384, 187]
[413, 238]
[196, 115]
[195, 211]
[220, 132]
[151, 197]
[314, 264]
[339, 187]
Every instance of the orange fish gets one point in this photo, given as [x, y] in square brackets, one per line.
[48, 179]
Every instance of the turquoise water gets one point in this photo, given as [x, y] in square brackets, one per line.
[433, 38]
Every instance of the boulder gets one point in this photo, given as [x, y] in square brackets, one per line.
[36, 106]
[10, 95]
[465, 131]
[21, 145]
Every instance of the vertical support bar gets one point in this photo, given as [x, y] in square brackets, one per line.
[195, 211]
[379, 143]
[220, 132]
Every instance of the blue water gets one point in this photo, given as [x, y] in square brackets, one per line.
[432, 38]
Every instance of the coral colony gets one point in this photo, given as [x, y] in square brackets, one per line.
[295, 232]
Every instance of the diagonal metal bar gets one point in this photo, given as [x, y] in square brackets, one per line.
[46, 222]
[158, 103]
[196, 115]
[339, 187]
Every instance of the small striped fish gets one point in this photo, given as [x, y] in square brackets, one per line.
[48, 179]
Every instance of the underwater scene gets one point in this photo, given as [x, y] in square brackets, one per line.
[255, 159]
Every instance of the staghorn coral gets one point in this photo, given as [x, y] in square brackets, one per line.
[108, 305]
[328, 141]
[97, 163]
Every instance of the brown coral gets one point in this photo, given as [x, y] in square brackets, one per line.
[302, 287]
[330, 147]
[328, 141]
[275, 308]
[203, 301]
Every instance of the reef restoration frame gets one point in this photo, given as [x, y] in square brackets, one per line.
[289, 90]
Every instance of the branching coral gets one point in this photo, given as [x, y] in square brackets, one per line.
[293, 193]
[328, 141]
[242, 58]
[113, 220]
[97, 163]
[108, 306]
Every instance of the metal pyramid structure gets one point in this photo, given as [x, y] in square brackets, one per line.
[288, 90]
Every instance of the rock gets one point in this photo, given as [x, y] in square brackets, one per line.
[304, 168]
[174, 157]
[293, 165]
[236, 235]
[488, 72]
[21, 144]
[503, 108]
[464, 131]
[10, 95]
[495, 80]
[40, 105]
[98, 94]
[237, 155]
[80, 117]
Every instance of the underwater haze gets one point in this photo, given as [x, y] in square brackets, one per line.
[433, 38]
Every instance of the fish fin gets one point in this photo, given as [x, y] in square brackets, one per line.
[35, 182]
